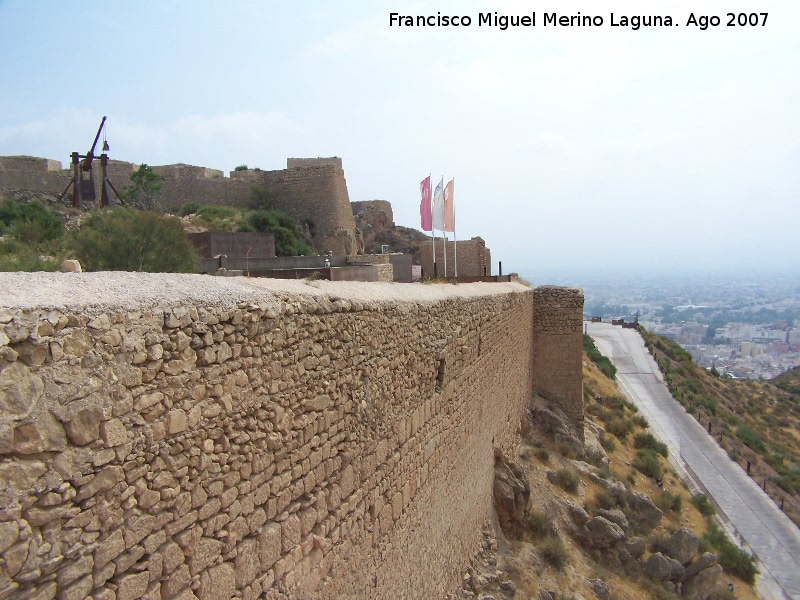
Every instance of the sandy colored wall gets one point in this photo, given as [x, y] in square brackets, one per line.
[558, 349]
[182, 436]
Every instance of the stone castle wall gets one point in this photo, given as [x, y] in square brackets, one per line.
[314, 193]
[474, 258]
[257, 438]
[558, 340]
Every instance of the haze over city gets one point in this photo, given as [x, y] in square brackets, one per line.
[573, 148]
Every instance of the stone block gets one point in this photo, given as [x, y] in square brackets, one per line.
[217, 583]
[269, 545]
[108, 549]
[247, 563]
[113, 433]
[173, 556]
[20, 390]
[45, 434]
[79, 590]
[132, 586]
[84, 427]
[178, 581]
[176, 421]
[106, 479]
[204, 554]
[9, 533]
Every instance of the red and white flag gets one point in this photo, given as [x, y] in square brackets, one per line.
[425, 204]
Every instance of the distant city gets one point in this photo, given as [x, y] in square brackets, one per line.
[744, 326]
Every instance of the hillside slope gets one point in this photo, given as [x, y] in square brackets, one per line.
[551, 551]
[755, 421]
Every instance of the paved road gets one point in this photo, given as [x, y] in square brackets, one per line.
[746, 510]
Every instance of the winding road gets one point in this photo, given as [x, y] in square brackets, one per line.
[746, 511]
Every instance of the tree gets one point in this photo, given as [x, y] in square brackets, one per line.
[129, 240]
[259, 198]
[145, 190]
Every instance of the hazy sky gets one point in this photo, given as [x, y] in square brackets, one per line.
[572, 148]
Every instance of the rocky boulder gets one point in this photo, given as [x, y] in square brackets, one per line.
[600, 588]
[705, 561]
[615, 516]
[701, 584]
[635, 547]
[512, 495]
[593, 436]
[682, 546]
[663, 568]
[643, 513]
[554, 422]
[601, 533]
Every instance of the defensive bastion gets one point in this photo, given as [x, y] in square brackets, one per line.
[183, 436]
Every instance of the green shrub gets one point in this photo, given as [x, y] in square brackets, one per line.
[611, 500]
[619, 427]
[568, 479]
[648, 463]
[287, 239]
[240, 168]
[603, 363]
[129, 240]
[703, 506]
[555, 552]
[540, 524]
[732, 558]
[542, 454]
[667, 501]
[646, 440]
[609, 444]
[750, 439]
[640, 421]
[190, 208]
[259, 198]
[30, 222]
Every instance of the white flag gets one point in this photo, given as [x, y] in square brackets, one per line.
[438, 206]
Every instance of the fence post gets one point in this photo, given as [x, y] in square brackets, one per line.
[748, 467]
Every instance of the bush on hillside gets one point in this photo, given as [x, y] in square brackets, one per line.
[190, 208]
[602, 362]
[646, 440]
[30, 222]
[129, 240]
[703, 506]
[732, 558]
[648, 463]
[750, 439]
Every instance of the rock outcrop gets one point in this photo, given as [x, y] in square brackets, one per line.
[512, 495]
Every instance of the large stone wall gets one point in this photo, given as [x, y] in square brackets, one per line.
[314, 193]
[558, 349]
[218, 437]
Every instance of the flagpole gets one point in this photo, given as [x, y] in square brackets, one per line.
[455, 237]
[444, 235]
[433, 238]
